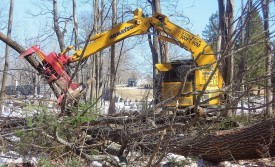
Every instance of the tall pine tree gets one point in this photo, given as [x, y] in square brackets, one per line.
[210, 32]
[254, 49]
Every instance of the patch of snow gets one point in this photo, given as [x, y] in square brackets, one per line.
[96, 164]
[12, 157]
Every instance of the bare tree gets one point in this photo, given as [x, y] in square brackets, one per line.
[7, 55]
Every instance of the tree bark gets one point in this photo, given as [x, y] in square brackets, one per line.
[75, 25]
[226, 29]
[252, 142]
[7, 56]
[222, 27]
[99, 77]
[162, 44]
[76, 46]
[159, 52]
[268, 68]
[95, 58]
[58, 32]
[112, 65]
[230, 40]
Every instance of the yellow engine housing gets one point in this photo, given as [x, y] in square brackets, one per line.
[172, 81]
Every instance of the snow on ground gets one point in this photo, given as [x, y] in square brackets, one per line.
[12, 157]
[253, 105]
[126, 106]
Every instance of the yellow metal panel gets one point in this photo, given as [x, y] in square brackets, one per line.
[164, 67]
[171, 89]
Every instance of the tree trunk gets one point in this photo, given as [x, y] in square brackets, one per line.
[99, 77]
[230, 27]
[162, 44]
[112, 65]
[268, 99]
[96, 55]
[221, 44]
[75, 25]
[158, 50]
[249, 142]
[229, 60]
[252, 142]
[58, 32]
[7, 57]
[156, 86]
[220, 28]
[76, 46]
[273, 79]
[226, 29]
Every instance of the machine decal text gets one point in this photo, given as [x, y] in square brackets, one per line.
[121, 32]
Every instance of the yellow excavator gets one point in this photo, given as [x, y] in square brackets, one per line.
[204, 82]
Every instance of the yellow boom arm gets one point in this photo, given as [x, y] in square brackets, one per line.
[200, 50]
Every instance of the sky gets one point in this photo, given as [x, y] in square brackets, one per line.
[197, 11]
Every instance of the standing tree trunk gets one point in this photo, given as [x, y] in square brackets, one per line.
[162, 44]
[230, 43]
[75, 30]
[158, 50]
[225, 48]
[96, 55]
[75, 25]
[265, 9]
[226, 27]
[112, 65]
[99, 75]
[7, 56]
[222, 27]
[58, 32]
[242, 64]
[221, 41]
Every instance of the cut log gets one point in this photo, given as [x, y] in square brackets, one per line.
[252, 142]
